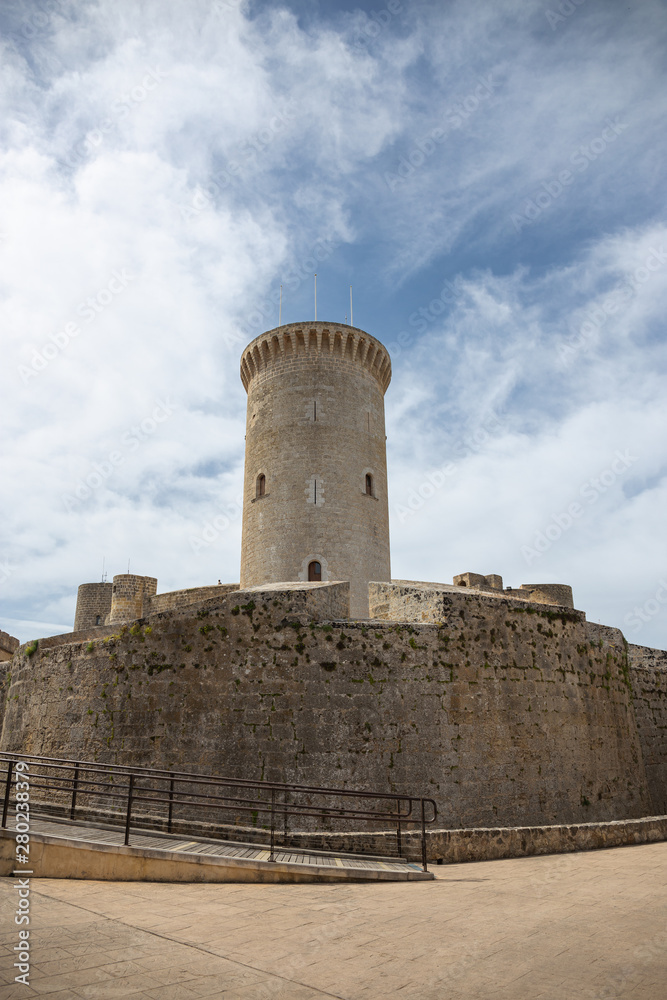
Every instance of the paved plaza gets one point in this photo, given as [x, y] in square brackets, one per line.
[590, 925]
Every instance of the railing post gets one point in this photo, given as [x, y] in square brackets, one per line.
[171, 802]
[273, 822]
[423, 838]
[398, 826]
[5, 808]
[285, 803]
[75, 785]
[130, 790]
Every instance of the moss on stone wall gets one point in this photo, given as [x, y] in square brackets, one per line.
[503, 715]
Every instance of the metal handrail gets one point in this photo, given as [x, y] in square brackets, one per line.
[90, 778]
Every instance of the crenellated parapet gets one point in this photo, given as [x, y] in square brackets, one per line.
[284, 344]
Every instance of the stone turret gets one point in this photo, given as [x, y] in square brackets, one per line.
[130, 596]
[93, 604]
[315, 490]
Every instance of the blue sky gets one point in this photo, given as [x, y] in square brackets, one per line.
[489, 177]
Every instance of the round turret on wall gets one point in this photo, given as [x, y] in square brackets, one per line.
[93, 604]
[315, 489]
[130, 594]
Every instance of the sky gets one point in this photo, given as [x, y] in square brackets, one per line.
[490, 179]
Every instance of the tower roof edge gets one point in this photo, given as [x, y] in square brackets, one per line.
[326, 339]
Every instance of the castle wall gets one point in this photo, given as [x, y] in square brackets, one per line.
[548, 593]
[181, 598]
[506, 713]
[130, 596]
[93, 604]
[648, 668]
[315, 428]
[417, 601]
[414, 601]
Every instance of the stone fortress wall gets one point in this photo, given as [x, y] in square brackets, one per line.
[130, 597]
[648, 671]
[504, 705]
[315, 431]
[506, 711]
[540, 593]
[414, 601]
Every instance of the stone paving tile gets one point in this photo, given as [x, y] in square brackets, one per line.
[278, 991]
[175, 991]
[549, 928]
[205, 986]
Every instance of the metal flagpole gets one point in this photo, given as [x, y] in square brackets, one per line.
[280, 311]
[351, 315]
[315, 296]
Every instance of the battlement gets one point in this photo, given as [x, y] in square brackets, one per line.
[131, 597]
[8, 646]
[284, 344]
[538, 593]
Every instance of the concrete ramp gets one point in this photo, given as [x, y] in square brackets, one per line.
[61, 849]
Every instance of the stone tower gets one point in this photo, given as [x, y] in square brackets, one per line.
[93, 604]
[315, 489]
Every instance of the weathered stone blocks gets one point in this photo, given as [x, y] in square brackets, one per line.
[315, 487]
[506, 713]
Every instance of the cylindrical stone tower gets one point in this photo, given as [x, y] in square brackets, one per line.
[129, 596]
[93, 604]
[315, 489]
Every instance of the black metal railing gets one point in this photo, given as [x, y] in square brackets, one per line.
[133, 789]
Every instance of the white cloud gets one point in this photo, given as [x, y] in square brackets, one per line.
[201, 151]
[534, 410]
